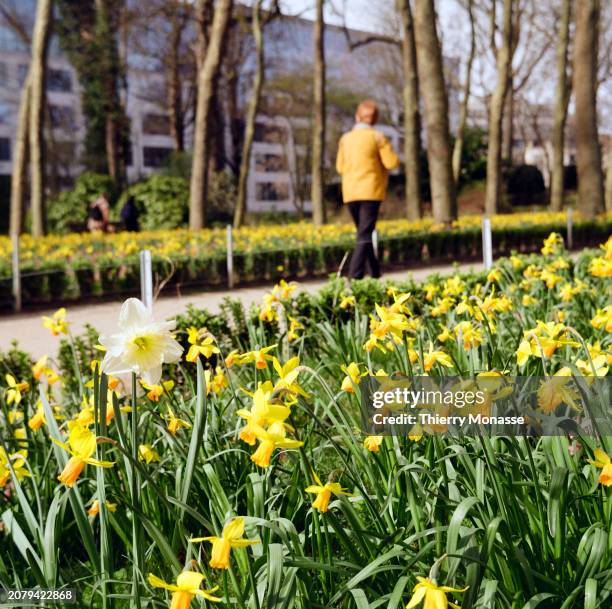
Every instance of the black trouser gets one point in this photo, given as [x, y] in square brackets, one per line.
[364, 215]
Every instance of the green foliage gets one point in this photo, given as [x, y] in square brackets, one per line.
[473, 155]
[16, 362]
[88, 34]
[70, 208]
[221, 187]
[162, 201]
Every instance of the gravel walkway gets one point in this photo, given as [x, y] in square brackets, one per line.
[32, 337]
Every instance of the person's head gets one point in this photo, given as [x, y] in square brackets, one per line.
[367, 112]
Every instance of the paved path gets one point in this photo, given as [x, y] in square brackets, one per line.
[33, 338]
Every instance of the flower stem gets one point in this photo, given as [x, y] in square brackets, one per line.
[135, 502]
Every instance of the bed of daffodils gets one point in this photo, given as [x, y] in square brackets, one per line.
[183, 468]
[61, 268]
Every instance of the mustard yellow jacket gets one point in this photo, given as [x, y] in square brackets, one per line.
[364, 158]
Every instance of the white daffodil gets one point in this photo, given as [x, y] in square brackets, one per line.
[142, 345]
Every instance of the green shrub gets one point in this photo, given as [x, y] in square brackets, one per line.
[162, 201]
[70, 208]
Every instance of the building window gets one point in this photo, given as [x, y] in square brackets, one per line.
[155, 156]
[5, 149]
[59, 80]
[272, 191]
[62, 117]
[270, 162]
[22, 72]
[156, 124]
[3, 74]
[269, 134]
[5, 113]
[127, 152]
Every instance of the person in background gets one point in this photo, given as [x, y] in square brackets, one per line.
[98, 214]
[129, 216]
[365, 157]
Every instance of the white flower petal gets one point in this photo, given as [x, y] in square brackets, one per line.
[134, 315]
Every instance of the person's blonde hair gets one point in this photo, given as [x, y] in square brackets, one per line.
[367, 112]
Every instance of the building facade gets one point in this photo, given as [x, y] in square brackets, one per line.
[279, 179]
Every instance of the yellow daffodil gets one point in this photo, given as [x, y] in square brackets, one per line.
[432, 595]
[554, 391]
[436, 357]
[154, 392]
[553, 245]
[282, 290]
[263, 413]
[268, 313]
[216, 382]
[288, 376]
[270, 439]
[603, 319]
[372, 443]
[603, 462]
[148, 454]
[202, 343]
[261, 357]
[17, 462]
[324, 492]
[347, 302]
[81, 446]
[470, 335]
[188, 585]
[233, 357]
[294, 327]
[40, 367]
[601, 267]
[15, 390]
[494, 276]
[57, 322]
[94, 510]
[38, 420]
[353, 377]
[174, 423]
[231, 537]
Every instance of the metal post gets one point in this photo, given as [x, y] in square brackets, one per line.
[375, 242]
[230, 257]
[146, 279]
[487, 244]
[570, 228]
[16, 274]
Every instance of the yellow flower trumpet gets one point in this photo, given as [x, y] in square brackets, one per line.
[81, 445]
[188, 584]
[231, 537]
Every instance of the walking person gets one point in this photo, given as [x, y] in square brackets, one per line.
[365, 156]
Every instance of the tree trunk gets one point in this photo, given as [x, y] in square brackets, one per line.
[106, 33]
[562, 96]
[174, 91]
[209, 68]
[249, 132]
[609, 182]
[40, 45]
[458, 148]
[588, 153]
[431, 77]
[318, 127]
[412, 119]
[496, 113]
[508, 122]
[20, 160]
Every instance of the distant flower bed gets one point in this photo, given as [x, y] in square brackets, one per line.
[69, 267]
